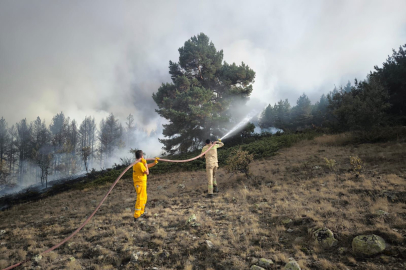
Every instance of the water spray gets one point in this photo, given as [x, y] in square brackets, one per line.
[243, 122]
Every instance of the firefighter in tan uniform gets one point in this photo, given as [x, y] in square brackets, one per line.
[211, 165]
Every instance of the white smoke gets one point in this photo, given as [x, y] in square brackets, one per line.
[271, 130]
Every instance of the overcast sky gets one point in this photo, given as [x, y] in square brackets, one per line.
[96, 57]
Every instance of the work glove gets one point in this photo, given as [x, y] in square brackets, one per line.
[156, 160]
[143, 161]
[219, 140]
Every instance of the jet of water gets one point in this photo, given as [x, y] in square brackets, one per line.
[243, 122]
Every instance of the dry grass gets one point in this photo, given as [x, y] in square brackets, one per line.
[266, 216]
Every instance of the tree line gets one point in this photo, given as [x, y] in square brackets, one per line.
[377, 101]
[205, 89]
[31, 152]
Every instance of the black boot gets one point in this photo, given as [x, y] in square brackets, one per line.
[209, 196]
[215, 189]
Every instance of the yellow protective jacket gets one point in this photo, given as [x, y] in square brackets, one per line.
[211, 156]
[139, 170]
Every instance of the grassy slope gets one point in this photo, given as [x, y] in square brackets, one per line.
[244, 222]
[260, 146]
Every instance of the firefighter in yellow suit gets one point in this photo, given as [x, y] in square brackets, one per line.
[140, 172]
[211, 166]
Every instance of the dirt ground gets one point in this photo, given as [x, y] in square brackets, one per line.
[310, 185]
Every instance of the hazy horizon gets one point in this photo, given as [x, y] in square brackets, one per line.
[95, 58]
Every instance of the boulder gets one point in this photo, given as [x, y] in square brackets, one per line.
[292, 265]
[324, 237]
[265, 262]
[368, 244]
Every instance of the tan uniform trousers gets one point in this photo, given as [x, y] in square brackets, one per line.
[211, 178]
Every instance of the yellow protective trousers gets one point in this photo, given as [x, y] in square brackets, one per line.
[141, 189]
[211, 178]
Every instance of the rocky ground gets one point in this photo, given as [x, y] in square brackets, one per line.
[307, 207]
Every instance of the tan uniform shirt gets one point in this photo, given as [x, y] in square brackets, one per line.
[211, 156]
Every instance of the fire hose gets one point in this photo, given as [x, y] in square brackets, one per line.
[98, 206]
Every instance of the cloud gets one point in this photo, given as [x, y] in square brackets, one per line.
[96, 57]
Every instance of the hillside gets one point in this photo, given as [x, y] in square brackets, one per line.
[267, 216]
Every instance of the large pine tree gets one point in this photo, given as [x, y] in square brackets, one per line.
[202, 89]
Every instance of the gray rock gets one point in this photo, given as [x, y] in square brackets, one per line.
[254, 267]
[265, 262]
[2, 232]
[209, 244]
[368, 244]
[182, 186]
[324, 237]
[292, 265]
[128, 209]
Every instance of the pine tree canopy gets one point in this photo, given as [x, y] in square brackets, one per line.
[202, 90]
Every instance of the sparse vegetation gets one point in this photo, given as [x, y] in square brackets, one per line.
[356, 164]
[330, 163]
[239, 161]
[265, 216]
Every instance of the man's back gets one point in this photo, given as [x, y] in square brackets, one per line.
[139, 170]
[211, 155]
